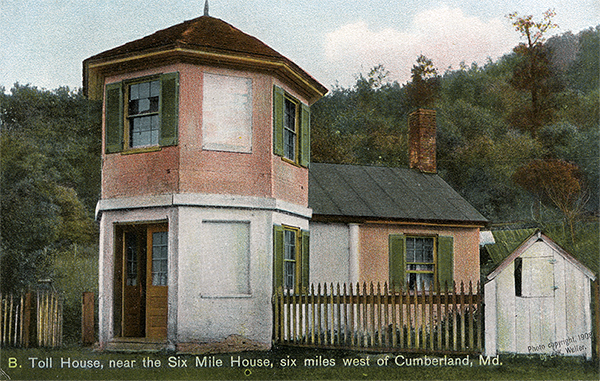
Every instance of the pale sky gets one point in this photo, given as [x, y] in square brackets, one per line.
[43, 42]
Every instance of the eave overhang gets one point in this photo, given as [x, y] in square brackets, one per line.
[398, 221]
[95, 70]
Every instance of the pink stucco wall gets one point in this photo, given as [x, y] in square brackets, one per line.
[374, 250]
[188, 168]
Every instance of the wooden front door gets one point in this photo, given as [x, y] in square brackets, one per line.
[144, 281]
[134, 259]
[156, 282]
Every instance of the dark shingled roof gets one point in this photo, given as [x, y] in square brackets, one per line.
[212, 37]
[204, 33]
[375, 193]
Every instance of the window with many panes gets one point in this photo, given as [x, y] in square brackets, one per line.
[159, 258]
[420, 263]
[290, 258]
[132, 257]
[142, 113]
[291, 128]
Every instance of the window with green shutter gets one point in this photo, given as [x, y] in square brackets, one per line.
[291, 128]
[290, 259]
[142, 113]
[419, 261]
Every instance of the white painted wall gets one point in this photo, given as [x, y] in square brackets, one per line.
[329, 252]
[552, 314]
[210, 307]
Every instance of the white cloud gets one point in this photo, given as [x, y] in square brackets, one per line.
[445, 35]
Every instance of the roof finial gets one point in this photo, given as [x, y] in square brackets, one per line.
[205, 7]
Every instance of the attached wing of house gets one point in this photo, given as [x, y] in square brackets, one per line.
[379, 224]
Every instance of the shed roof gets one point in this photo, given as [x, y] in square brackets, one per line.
[218, 41]
[511, 248]
[383, 193]
[507, 241]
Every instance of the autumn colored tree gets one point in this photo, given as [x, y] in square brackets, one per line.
[556, 182]
[533, 72]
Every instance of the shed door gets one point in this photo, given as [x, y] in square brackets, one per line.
[156, 282]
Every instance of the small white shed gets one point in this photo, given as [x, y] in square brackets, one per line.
[537, 299]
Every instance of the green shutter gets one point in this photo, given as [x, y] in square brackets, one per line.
[169, 112]
[397, 244]
[305, 260]
[114, 118]
[278, 104]
[277, 256]
[445, 261]
[304, 135]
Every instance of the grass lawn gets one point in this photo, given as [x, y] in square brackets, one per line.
[85, 364]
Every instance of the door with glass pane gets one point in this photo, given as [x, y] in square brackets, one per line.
[156, 281]
[134, 278]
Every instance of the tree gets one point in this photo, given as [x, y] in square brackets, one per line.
[49, 179]
[533, 72]
[557, 182]
[424, 88]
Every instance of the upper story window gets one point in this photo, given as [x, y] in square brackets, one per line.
[420, 262]
[144, 127]
[142, 113]
[290, 135]
[291, 128]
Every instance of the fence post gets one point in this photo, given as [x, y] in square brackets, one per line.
[87, 318]
[27, 320]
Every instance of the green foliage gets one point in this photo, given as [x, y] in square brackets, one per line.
[362, 125]
[75, 271]
[424, 88]
[50, 177]
[584, 247]
[583, 72]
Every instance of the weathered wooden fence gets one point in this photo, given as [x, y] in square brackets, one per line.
[381, 318]
[49, 318]
[17, 315]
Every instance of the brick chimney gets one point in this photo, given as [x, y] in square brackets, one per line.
[421, 140]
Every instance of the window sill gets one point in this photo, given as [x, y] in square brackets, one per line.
[285, 159]
[132, 151]
[232, 296]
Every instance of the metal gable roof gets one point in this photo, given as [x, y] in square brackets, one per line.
[365, 192]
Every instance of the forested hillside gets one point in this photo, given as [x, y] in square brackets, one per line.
[487, 128]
